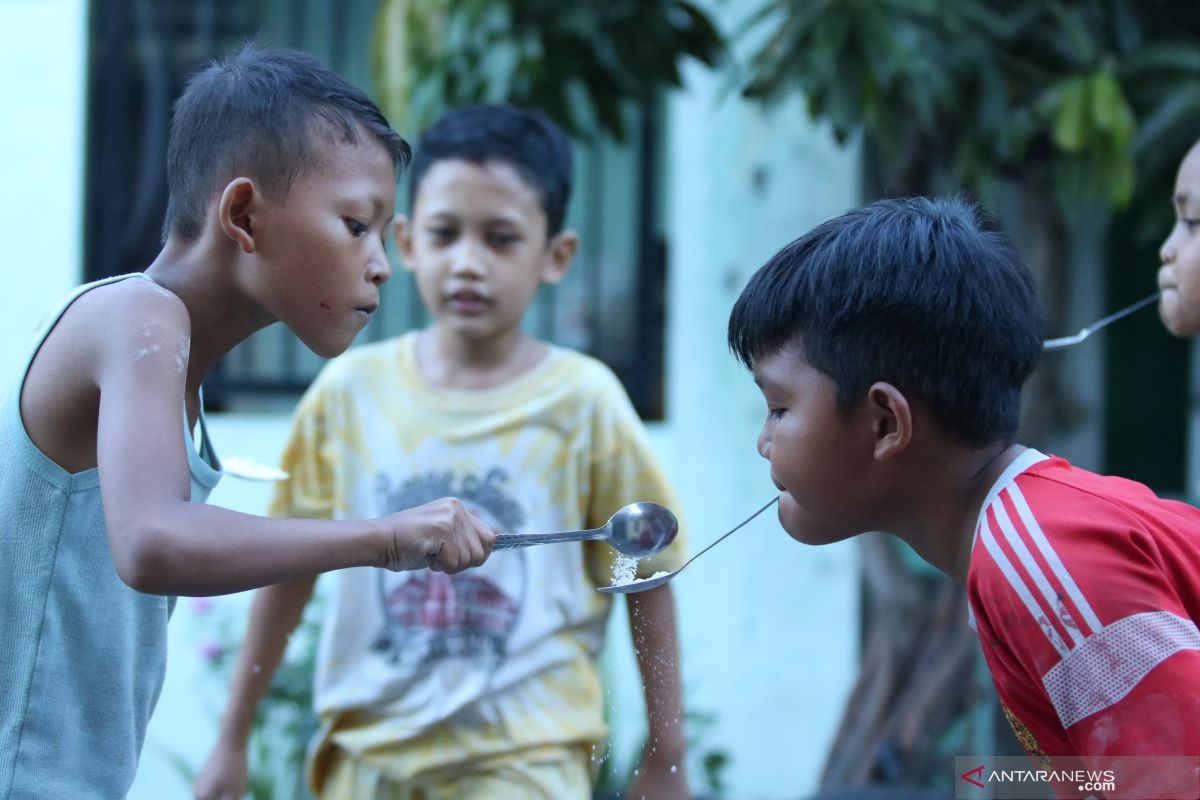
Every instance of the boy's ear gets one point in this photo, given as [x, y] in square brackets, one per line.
[402, 235]
[891, 420]
[238, 203]
[559, 253]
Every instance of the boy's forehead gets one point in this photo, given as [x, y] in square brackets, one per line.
[327, 141]
[500, 179]
[772, 369]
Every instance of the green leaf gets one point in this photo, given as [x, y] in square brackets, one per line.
[1070, 130]
[1111, 113]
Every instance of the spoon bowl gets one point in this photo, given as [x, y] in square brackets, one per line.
[645, 584]
[637, 530]
[639, 584]
[641, 529]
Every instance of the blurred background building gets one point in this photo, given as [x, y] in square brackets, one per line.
[708, 136]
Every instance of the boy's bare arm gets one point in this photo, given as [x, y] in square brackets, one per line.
[654, 630]
[273, 617]
[161, 543]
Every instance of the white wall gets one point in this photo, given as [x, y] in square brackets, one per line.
[42, 99]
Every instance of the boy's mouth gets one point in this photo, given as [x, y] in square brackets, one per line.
[1166, 278]
[467, 301]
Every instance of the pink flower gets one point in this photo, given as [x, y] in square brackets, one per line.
[211, 651]
[201, 605]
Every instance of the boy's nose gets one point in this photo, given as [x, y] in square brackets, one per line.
[466, 260]
[764, 444]
[381, 273]
[1166, 253]
[379, 270]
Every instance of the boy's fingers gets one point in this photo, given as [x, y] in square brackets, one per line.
[475, 551]
[488, 537]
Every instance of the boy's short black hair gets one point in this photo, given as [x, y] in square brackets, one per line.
[915, 292]
[253, 113]
[527, 141]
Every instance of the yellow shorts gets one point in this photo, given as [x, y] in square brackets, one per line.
[542, 773]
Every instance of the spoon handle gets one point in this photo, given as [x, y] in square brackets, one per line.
[510, 541]
[723, 536]
[1066, 341]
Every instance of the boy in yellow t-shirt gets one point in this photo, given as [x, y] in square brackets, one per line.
[482, 685]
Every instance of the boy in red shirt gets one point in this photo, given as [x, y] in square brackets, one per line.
[891, 344]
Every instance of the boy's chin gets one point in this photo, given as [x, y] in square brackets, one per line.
[329, 345]
[1180, 328]
[1175, 321]
[811, 538]
[802, 528]
[793, 521]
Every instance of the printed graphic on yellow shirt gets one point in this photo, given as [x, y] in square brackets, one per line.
[430, 616]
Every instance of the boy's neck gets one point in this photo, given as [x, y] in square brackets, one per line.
[201, 277]
[946, 509]
[449, 361]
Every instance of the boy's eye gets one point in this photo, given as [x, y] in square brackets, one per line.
[502, 239]
[1190, 223]
[775, 413]
[441, 233]
[355, 227]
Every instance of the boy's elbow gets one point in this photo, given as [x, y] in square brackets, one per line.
[142, 556]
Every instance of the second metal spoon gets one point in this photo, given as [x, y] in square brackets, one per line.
[638, 530]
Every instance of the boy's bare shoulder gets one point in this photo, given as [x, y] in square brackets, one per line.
[134, 297]
[118, 314]
[133, 317]
[92, 347]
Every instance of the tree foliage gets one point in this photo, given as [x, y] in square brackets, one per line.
[580, 62]
[986, 88]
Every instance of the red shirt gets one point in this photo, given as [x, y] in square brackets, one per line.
[1085, 591]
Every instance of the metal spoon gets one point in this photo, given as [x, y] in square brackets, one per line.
[1067, 341]
[658, 580]
[638, 530]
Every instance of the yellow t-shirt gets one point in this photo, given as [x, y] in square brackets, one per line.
[420, 670]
